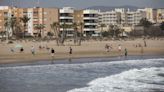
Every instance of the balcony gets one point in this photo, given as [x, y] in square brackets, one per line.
[88, 18]
[90, 29]
[66, 17]
[91, 24]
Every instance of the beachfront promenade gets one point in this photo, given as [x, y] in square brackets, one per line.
[87, 49]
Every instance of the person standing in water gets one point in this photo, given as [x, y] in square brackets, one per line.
[70, 50]
[70, 53]
[52, 52]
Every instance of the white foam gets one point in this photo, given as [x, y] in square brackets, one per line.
[129, 81]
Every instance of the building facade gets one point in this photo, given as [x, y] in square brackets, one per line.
[160, 15]
[66, 19]
[67, 16]
[90, 20]
[121, 17]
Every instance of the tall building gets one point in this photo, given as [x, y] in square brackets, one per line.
[160, 15]
[44, 16]
[121, 17]
[50, 15]
[5, 16]
[151, 14]
[90, 20]
[67, 18]
[78, 18]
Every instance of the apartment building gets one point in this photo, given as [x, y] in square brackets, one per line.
[66, 18]
[37, 15]
[151, 14]
[68, 15]
[121, 17]
[160, 15]
[90, 20]
[50, 15]
[5, 14]
[78, 18]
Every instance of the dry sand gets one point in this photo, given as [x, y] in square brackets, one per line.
[87, 49]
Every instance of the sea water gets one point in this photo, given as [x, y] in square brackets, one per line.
[140, 75]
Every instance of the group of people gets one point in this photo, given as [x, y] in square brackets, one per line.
[108, 48]
[33, 50]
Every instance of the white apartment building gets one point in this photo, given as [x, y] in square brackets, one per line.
[160, 15]
[67, 17]
[121, 17]
[90, 20]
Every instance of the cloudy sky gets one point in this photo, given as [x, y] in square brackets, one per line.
[85, 3]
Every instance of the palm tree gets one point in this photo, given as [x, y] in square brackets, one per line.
[10, 23]
[81, 24]
[13, 23]
[75, 25]
[7, 27]
[111, 29]
[145, 23]
[162, 26]
[55, 26]
[3, 33]
[102, 26]
[64, 32]
[40, 27]
[24, 19]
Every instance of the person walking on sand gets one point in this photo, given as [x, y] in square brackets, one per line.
[119, 49]
[70, 50]
[145, 44]
[12, 50]
[107, 48]
[52, 52]
[33, 50]
[21, 49]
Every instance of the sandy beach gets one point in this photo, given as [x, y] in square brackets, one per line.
[87, 49]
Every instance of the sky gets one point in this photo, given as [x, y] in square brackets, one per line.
[84, 3]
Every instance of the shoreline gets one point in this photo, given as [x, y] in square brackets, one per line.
[20, 61]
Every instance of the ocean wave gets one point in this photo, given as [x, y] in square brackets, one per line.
[134, 80]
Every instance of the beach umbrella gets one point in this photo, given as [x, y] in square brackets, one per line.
[18, 46]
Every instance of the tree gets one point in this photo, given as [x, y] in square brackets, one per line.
[40, 27]
[111, 30]
[114, 30]
[105, 34]
[10, 24]
[162, 26]
[81, 24]
[55, 27]
[13, 23]
[24, 19]
[75, 33]
[146, 24]
[64, 33]
[102, 26]
[2, 33]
